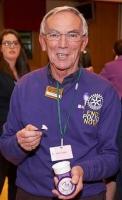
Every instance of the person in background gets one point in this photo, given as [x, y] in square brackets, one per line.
[13, 65]
[83, 107]
[85, 60]
[112, 70]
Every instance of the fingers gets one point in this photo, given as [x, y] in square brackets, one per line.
[57, 194]
[77, 179]
[30, 127]
[29, 137]
[79, 187]
[77, 172]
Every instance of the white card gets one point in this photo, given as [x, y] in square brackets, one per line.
[61, 152]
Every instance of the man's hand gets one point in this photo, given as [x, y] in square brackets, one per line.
[29, 137]
[77, 179]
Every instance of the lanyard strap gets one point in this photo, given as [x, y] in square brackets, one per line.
[63, 130]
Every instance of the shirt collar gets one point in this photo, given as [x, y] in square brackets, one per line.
[69, 79]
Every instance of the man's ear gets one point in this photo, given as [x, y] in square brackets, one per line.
[42, 42]
[84, 43]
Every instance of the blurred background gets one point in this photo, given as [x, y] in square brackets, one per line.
[104, 19]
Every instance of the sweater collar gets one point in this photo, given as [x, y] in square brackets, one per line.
[69, 79]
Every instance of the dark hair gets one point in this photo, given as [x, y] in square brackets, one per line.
[22, 65]
[118, 47]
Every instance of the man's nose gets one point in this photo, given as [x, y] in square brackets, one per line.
[63, 40]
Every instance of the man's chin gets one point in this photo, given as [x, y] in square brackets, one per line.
[62, 68]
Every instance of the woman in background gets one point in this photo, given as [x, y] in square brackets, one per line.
[13, 65]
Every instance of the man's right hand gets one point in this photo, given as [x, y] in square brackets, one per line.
[29, 137]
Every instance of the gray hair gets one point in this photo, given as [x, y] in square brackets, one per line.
[61, 9]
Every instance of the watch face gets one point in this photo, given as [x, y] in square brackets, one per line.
[65, 186]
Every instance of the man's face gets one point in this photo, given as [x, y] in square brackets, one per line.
[63, 52]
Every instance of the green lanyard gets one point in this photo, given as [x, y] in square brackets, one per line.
[63, 130]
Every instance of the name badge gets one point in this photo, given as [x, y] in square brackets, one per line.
[51, 92]
[61, 152]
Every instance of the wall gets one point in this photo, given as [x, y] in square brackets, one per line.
[1, 15]
[103, 31]
[39, 58]
[53, 3]
[116, 1]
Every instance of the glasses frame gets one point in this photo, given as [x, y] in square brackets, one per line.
[70, 36]
[11, 44]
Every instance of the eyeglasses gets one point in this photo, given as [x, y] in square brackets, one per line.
[70, 36]
[10, 44]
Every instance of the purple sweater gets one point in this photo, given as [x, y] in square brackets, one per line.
[91, 130]
[113, 72]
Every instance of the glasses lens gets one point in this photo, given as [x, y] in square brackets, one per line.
[10, 43]
[53, 36]
[73, 36]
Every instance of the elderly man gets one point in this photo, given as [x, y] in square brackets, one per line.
[74, 107]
